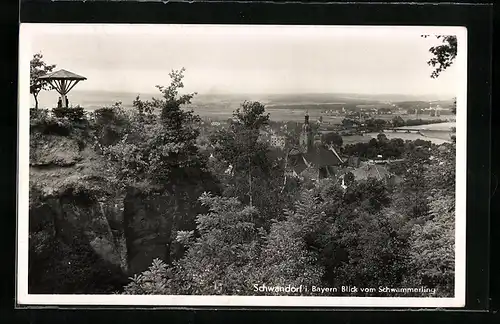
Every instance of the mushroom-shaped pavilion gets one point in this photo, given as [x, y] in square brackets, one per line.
[63, 81]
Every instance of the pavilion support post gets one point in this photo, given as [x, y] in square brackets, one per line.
[64, 101]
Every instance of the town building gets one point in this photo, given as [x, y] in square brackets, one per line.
[278, 141]
[311, 158]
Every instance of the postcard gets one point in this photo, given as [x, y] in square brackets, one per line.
[242, 165]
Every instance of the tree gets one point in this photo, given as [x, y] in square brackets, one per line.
[240, 147]
[444, 55]
[161, 149]
[38, 68]
[224, 258]
[332, 138]
[110, 124]
[348, 123]
[153, 281]
[349, 178]
[432, 248]
[157, 162]
[286, 257]
[432, 242]
[375, 125]
[398, 121]
[381, 138]
[251, 115]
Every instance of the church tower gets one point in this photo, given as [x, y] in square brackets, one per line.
[306, 136]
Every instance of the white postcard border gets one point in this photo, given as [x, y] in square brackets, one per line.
[24, 298]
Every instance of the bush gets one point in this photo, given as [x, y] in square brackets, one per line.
[60, 121]
[42, 122]
[332, 138]
[417, 122]
[75, 114]
[110, 124]
[38, 115]
[150, 282]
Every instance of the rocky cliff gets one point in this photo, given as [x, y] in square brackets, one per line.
[84, 220]
[74, 201]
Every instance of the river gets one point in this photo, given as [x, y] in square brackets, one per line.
[436, 133]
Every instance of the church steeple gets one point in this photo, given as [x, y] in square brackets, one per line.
[306, 136]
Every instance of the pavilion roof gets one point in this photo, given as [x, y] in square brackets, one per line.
[63, 75]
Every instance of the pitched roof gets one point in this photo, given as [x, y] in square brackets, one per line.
[331, 148]
[297, 163]
[295, 151]
[63, 75]
[370, 171]
[321, 156]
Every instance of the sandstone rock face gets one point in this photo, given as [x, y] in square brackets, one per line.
[73, 216]
[75, 196]
[151, 219]
[77, 242]
[54, 150]
[148, 220]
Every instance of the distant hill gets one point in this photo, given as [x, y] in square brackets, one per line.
[424, 104]
[228, 102]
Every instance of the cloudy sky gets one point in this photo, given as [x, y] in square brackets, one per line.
[244, 59]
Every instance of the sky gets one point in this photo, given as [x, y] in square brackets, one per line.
[244, 59]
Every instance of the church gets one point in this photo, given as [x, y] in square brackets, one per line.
[311, 158]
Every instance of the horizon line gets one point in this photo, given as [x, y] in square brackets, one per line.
[273, 93]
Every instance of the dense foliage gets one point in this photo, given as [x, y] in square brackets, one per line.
[159, 146]
[394, 148]
[253, 176]
[332, 138]
[364, 235]
[378, 124]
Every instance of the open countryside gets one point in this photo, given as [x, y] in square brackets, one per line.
[281, 107]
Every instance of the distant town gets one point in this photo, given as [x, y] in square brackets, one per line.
[353, 122]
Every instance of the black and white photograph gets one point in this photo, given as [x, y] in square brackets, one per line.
[242, 165]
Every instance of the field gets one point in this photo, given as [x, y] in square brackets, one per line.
[289, 107]
[353, 139]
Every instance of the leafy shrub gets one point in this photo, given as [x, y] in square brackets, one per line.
[150, 282]
[222, 259]
[74, 114]
[417, 122]
[42, 122]
[110, 124]
[433, 247]
[332, 138]
[161, 148]
[60, 121]
[389, 149]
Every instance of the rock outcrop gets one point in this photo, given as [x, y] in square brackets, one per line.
[152, 217]
[73, 197]
[53, 150]
[77, 202]
[148, 220]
